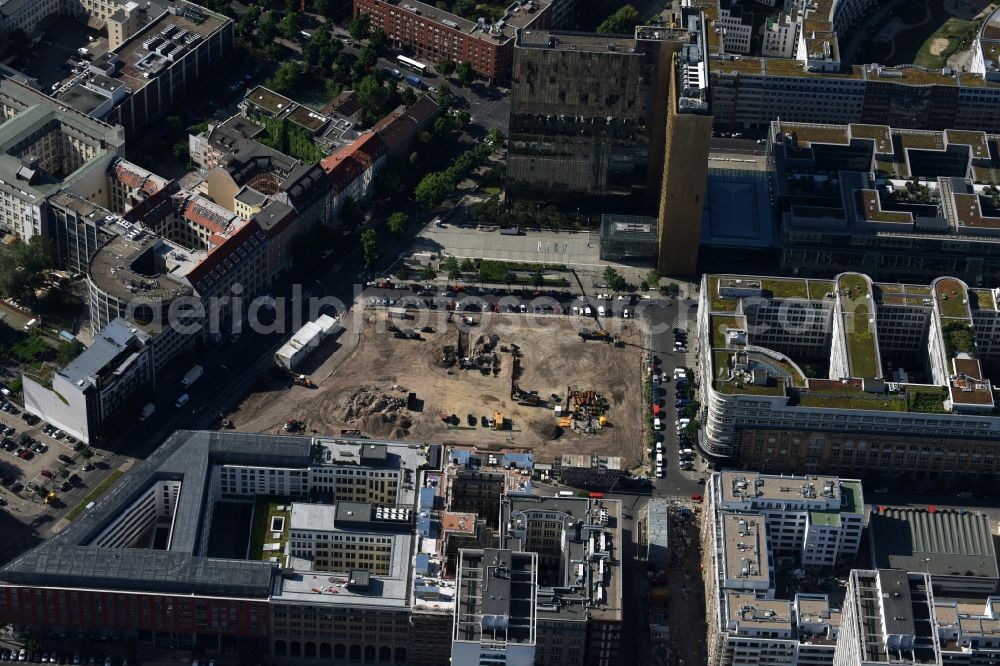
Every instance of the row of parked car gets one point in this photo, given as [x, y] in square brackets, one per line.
[25, 655]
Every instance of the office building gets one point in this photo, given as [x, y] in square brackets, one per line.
[112, 375]
[174, 46]
[620, 120]
[985, 58]
[578, 603]
[153, 561]
[435, 34]
[755, 525]
[657, 530]
[45, 147]
[495, 608]
[850, 376]
[954, 547]
[901, 204]
[818, 519]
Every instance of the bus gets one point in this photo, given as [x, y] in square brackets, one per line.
[409, 63]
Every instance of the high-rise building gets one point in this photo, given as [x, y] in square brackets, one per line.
[850, 376]
[618, 120]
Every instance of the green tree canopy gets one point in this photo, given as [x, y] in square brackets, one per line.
[372, 96]
[398, 222]
[622, 22]
[445, 67]
[22, 268]
[433, 189]
[291, 24]
[613, 279]
[360, 26]
[464, 73]
[369, 247]
[288, 77]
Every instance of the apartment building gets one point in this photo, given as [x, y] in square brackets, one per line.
[754, 521]
[895, 385]
[735, 26]
[781, 36]
[578, 602]
[142, 564]
[619, 120]
[175, 45]
[114, 373]
[24, 15]
[43, 148]
[436, 35]
[495, 608]
[902, 204]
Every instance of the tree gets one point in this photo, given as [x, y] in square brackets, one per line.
[433, 188]
[643, 286]
[377, 40]
[398, 222]
[443, 97]
[468, 265]
[368, 57]
[267, 30]
[622, 22]
[372, 96]
[351, 213]
[291, 24]
[428, 273]
[288, 77]
[445, 67]
[452, 267]
[652, 279]
[537, 279]
[369, 247]
[360, 26]
[495, 138]
[613, 279]
[180, 151]
[248, 22]
[464, 73]
[409, 97]
[325, 8]
[22, 268]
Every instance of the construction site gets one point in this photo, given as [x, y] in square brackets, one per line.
[465, 380]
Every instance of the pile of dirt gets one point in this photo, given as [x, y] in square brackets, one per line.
[375, 411]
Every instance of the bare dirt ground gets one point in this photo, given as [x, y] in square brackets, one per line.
[938, 46]
[367, 391]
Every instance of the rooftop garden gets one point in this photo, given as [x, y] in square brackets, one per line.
[265, 510]
[719, 304]
[922, 140]
[806, 134]
[786, 288]
[853, 400]
[959, 338]
[871, 209]
[951, 298]
[885, 166]
[861, 350]
[976, 140]
[914, 193]
[774, 387]
[929, 400]
[719, 326]
[981, 299]
[818, 289]
[993, 194]
[878, 133]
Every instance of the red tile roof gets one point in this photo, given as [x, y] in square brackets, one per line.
[222, 248]
[360, 155]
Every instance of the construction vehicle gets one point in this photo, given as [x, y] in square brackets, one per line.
[302, 380]
[529, 398]
[293, 425]
[498, 420]
[596, 334]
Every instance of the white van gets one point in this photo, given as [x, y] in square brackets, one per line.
[625, 314]
[659, 459]
[659, 447]
[600, 310]
[659, 471]
[657, 424]
[686, 453]
[183, 400]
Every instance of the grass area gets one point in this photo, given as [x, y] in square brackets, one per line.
[266, 508]
[92, 496]
[861, 351]
[818, 289]
[981, 299]
[928, 401]
[959, 337]
[959, 35]
[854, 292]
[951, 297]
[719, 325]
[855, 400]
[786, 288]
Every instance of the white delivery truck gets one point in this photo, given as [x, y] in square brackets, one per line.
[193, 375]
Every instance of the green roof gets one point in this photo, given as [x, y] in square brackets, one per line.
[825, 518]
[850, 497]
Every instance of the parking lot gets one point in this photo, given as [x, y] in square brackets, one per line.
[42, 462]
